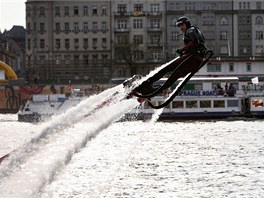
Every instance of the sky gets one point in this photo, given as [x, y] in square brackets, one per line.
[12, 12]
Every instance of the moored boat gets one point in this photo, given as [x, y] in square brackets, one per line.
[208, 98]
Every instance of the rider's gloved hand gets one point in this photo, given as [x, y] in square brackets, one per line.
[180, 51]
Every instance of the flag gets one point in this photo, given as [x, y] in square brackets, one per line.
[255, 80]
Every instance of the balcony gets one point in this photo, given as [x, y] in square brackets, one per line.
[121, 14]
[155, 14]
[154, 29]
[154, 45]
[122, 30]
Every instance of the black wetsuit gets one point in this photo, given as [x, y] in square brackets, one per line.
[194, 44]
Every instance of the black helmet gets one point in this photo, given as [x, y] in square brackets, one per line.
[185, 20]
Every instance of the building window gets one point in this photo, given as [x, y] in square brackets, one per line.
[172, 7]
[94, 26]
[121, 8]
[67, 59]
[231, 67]
[94, 43]
[104, 43]
[244, 5]
[86, 59]
[138, 7]
[259, 20]
[28, 12]
[259, 49]
[122, 39]
[216, 67]
[85, 27]
[85, 10]
[223, 35]
[67, 43]
[57, 43]
[104, 26]
[248, 67]
[174, 22]
[75, 10]
[155, 39]
[154, 7]
[138, 55]
[95, 59]
[155, 23]
[57, 27]
[76, 43]
[138, 39]
[76, 59]
[138, 23]
[258, 5]
[259, 35]
[28, 27]
[224, 50]
[34, 43]
[85, 43]
[208, 19]
[42, 11]
[42, 43]
[190, 6]
[244, 20]
[42, 27]
[156, 56]
[224, 6]
[209, 35]
[244, 49]
[223, 21]
[244, 35]
[29, 44]
[76, 26]
[67, 26]
[66, 10]
[57, 11]
[122, 24]
[104, 10]
[104, 59]
[175, 36]
[94, 10]
[58, 59]
[42, 59]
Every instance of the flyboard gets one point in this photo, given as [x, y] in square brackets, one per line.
[131, 82]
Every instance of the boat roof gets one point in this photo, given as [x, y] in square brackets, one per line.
[210, 79]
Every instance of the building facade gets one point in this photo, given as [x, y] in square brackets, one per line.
[139, 36]
[69, 40]
[93, 41]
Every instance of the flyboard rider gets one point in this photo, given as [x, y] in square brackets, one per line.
[194, 44]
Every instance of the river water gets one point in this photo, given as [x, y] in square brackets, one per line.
[99, 157]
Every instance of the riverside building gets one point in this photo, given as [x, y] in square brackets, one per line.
[93, 41]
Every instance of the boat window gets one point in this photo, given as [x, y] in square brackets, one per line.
[219, 103]
[232, 103]
[205, 104]
[192, 104]
[177, 104]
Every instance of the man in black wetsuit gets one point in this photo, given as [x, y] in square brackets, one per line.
[194, 45]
